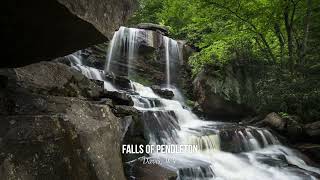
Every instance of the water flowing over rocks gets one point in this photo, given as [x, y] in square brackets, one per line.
[226, 149]
[165, 93]
[119, 98]
[79, 134]
[136, 52]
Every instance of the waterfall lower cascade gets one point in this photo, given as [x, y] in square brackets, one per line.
[226, 151]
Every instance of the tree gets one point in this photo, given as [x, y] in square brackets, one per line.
[276, 31]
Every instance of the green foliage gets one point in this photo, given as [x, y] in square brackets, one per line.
[148, 11]
[299, 95]
[284, 115]
[142, 80]
[190, 103]
[215, 27]
[282, 33]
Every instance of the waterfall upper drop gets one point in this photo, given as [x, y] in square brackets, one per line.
[130, 48]
[166, 44]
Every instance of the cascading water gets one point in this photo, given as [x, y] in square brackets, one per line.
[89, 72]
[166, 45]
[114, 46]
[259, 155]
[123, 50]
[171, 48]
[226, 150]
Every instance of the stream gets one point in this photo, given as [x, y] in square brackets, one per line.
[226, 151]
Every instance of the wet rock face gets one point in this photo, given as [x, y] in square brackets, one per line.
[43, 30]
[48, 133]
[119, 81]
[164, 93]
[220, 97]
[146, 62]
[119, 98]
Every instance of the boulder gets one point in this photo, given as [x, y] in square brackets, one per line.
[164, 93]
[134, 135]
[311, 150]
[119, 98]
[120, 82]
[275, 121]
[219, 97]
[64, 139]
[125, 124]
[154, 27]
[106, 16]
[31, 36]
[313, 129]
[95, 56]
[294, 128]
[50, 128]
[289, 127]
[52, 78]
[122, 111]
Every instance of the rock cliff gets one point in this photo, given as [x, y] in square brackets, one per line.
[38, 30]
[52, 126]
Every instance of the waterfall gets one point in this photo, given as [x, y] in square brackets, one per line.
[123, 52]
[114, 46]
[132, 50]
[171, 48]
[205, 143]
[90, 72]
[226, 150]
[124, 41]
[166, 43]
[167, 122]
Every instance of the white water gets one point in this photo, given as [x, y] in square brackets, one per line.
[224, 165]
[171, 48]
[124, 39]
[113, 47]
[259, 155]
[132, 50]
[125, 44]
[89, 72]
[166, 45]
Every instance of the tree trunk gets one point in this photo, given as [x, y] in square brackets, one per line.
[288, 26]
[281, 42]
[304, 46]
[269, 50]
